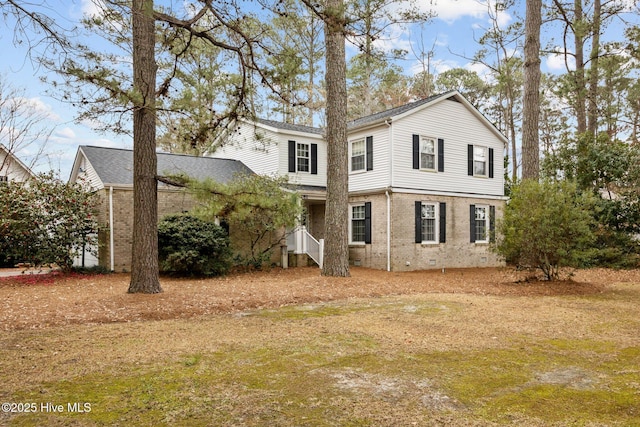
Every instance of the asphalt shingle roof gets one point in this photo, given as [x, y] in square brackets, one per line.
[115, 165]
[362, 120]
[394, 111]
[288, 126]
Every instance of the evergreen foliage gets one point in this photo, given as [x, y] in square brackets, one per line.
[46, 221]
[189, 246]
[546, 226]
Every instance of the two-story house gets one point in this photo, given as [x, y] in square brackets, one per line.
[426, 181]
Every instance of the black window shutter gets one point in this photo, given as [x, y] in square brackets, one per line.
[470, 160]
[416, 151]
[292, 156]
[492, 224]
[314, 159]
[418, 236]
[472, 223]
[490, 162]
[440, 155]
[443, 222]
[369, 153]
[367, 222]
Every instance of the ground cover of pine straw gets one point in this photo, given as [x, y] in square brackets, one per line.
[290, 347]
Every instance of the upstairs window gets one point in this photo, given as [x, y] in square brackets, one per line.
[427, 153]
[361, 154]
[302, 157]
[479, 161]
[358, 155]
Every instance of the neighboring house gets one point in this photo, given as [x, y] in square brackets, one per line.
[426, 181]
[11, 168]
[109, 172]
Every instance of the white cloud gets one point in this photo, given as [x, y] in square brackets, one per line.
[556, 61]
[65, 133]
[452, 10]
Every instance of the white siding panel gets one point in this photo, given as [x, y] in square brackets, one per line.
[379, 176]
[458, 126]
[303, 178]
[255, 147]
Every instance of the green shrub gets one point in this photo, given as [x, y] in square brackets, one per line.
[546, 226]
[193, 247]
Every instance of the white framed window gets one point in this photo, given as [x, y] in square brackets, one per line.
[481, 226]
[480, 160]
[427, 153]
[302, 157]
[358, 223]
[358, 153]
[429, 222]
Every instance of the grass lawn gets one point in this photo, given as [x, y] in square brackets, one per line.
[414, 358]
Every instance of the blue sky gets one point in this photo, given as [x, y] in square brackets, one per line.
[452, 34]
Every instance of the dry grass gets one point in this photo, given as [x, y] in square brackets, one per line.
[468, 347]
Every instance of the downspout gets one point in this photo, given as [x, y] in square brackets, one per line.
[111, 238]
[386, 193]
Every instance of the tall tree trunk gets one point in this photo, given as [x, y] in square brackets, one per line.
[336, 260]
[531, 105]
[594, 71]
[144, 256]
[578, 37]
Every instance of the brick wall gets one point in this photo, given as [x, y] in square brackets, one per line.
[456, 252]
[169, 202]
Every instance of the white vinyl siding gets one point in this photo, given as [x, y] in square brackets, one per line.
[458, 127]
[378, 176]
[265, 151]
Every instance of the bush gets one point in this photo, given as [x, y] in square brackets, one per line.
[193, 247]
[546, 226]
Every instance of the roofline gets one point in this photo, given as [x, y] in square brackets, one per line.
[17, 159]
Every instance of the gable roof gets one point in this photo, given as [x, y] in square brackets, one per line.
[392, 114]
[15, 161]
[114, 166]
[383, 115]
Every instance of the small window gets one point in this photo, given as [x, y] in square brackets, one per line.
[427, 153]
[302, 157]
[358, 155]
[479, 161]
[481, 224]
[429, 223]
[4, 178]
[358, 224]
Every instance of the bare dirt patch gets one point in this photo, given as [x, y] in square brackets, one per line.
[44, 301]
